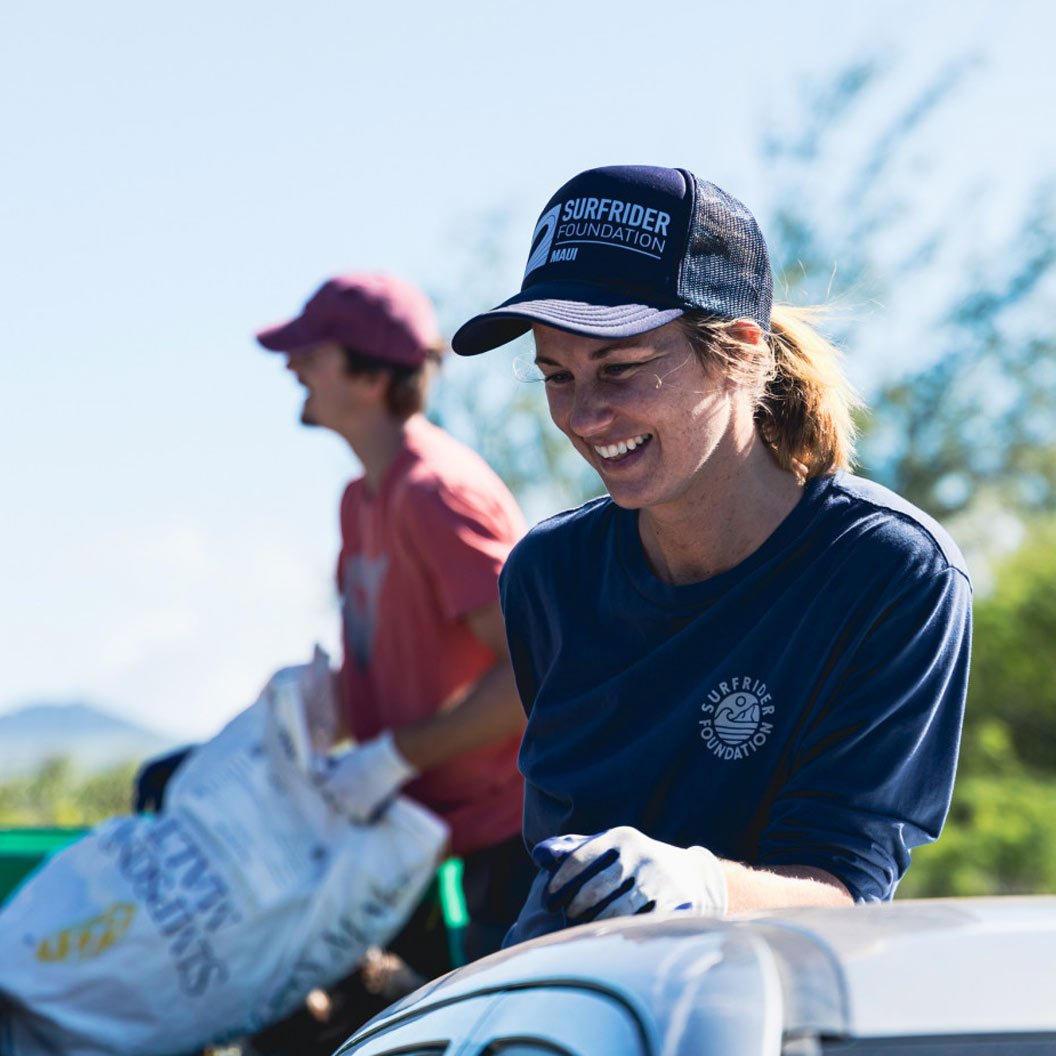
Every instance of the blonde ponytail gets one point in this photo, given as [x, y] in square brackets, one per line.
[806, 411]
[804, 404]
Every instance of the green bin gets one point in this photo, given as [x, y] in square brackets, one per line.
[22, 850]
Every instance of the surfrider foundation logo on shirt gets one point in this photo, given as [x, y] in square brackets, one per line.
[736, 720]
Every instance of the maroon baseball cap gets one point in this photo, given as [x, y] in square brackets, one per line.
[376, 315]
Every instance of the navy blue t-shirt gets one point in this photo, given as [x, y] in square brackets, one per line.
[802, 708]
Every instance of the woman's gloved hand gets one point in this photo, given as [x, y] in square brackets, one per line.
[622, 871]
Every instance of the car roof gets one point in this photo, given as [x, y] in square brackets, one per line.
[925, 967]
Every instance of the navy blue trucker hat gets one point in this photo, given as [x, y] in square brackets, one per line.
[622, 250]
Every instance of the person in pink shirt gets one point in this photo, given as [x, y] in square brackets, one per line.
[427, 690]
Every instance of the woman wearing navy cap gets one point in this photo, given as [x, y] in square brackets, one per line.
[744, 669]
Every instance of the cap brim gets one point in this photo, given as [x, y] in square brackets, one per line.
[290, 337]
[575, 308]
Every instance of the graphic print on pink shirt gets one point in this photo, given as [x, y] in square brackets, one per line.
[360, 592]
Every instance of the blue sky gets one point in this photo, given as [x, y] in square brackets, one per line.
[176, 176]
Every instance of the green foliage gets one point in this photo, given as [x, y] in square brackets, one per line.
[840, 198]
[1001, 834]
[1000, 839]
[56, 794]
[982, 415]
[1013, 689]
[976, 412]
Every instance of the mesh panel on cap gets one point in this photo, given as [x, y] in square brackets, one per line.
[726, 268]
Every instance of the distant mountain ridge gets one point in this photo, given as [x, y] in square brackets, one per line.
[90, 738]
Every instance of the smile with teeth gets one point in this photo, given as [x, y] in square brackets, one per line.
[622, 447]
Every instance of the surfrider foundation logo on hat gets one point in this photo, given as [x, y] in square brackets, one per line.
[542, 239]
[736, 714]
[589, 220]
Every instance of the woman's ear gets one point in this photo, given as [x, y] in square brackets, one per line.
[746, 331]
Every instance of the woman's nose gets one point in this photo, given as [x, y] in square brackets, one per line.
[591, 411]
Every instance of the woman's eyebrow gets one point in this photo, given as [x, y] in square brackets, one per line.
[598, 353]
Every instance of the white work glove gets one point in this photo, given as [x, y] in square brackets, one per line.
[362, 782]
[622, 871]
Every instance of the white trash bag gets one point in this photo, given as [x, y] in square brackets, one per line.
[154, 936]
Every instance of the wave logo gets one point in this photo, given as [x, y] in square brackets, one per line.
[542, 239]
[82, 942]
[737, 718]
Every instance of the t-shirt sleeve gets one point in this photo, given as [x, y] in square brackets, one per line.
[520, 624]
[872, 773]
[462, 537]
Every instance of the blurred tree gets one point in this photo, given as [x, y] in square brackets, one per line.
[1001, 834]
[842, 214]
[1011, 714]
[1000, 839]
[56, 794]
[490, 403]
[981, 418]
[975, 411]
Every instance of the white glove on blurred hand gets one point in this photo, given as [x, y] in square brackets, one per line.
[622, 871]
[363, 780]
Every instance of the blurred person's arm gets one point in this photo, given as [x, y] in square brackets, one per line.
[489, 712]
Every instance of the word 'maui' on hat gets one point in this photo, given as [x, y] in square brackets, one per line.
[622, 250]
[380, 316]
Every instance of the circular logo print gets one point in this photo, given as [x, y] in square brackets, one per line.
[738, 718]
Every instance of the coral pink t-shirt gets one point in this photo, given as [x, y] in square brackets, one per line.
[416, 557]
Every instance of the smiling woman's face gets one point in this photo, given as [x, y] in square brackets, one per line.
[643, 411]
